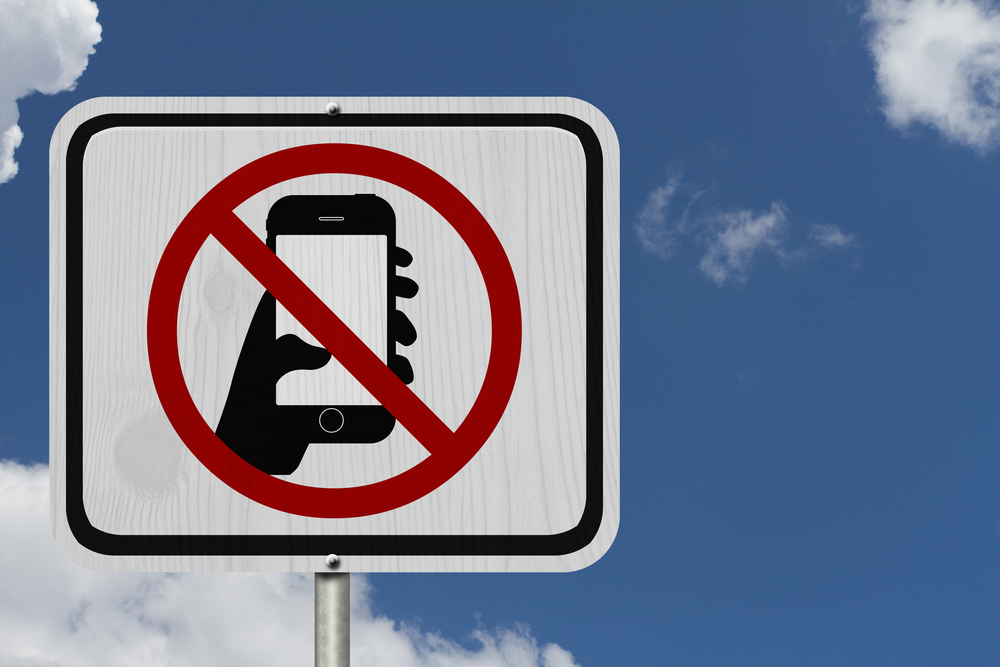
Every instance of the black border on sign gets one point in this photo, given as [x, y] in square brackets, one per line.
[111, 544]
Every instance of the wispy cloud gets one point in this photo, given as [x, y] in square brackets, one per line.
[831, 238]
[53, 612]
[735, 237]
[732, 240]
[659, 233]
[937, 63]
[44, 47]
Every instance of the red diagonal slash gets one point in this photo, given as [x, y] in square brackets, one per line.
[449, 451]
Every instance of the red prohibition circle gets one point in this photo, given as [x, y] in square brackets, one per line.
[449, 450]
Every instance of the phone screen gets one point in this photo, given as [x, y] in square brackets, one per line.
[349, 273]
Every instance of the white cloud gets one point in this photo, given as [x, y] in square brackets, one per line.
[9, 140]
[54, 613]
[732, 240]
[937, 62]
[44, 46]
[736, 236]
[658, 235]
[831, 238]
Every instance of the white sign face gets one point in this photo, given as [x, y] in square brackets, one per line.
[389, 334]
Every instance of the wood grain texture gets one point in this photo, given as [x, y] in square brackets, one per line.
[528, 479]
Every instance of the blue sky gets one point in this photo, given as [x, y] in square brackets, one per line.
[809, 371]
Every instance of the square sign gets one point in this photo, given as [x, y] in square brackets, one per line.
[381, 328]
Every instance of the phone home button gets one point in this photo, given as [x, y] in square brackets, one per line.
[331, 420]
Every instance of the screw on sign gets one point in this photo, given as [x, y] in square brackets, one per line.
[449, 450]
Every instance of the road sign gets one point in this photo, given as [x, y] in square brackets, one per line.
[388, 333]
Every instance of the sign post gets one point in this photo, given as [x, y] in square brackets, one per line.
[389, 332]
[333, 619]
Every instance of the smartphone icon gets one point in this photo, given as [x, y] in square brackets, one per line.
[340, 246]
[287, 392]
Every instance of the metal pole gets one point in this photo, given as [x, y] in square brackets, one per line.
[333, 619]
